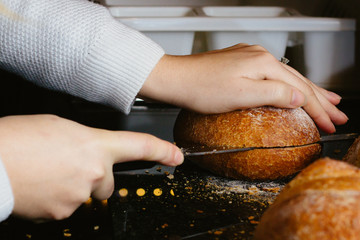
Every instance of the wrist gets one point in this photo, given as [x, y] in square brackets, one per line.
[169, 81]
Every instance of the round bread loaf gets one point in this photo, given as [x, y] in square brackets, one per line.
[353, 154]
[268, 127]
[322, 202]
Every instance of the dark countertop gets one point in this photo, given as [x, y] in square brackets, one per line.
[91, 221]
[189, 204]
[182, 214]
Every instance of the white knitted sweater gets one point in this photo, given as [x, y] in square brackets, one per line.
[73, 46]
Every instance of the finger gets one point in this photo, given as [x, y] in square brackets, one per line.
[330, 96]
[327, 99]
[130, 146]
[270, 92]
[313, 106]
[336, 116]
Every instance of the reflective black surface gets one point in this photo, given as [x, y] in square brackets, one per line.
[91, 221]
[193, 204]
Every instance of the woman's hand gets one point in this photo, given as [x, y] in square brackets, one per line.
[239, 77]
[55, 165]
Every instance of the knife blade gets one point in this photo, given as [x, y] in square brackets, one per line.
[203, 150]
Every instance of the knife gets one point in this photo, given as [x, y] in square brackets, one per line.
[202, 150]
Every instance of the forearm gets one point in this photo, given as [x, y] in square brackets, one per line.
[75, 47]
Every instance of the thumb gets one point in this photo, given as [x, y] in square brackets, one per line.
[123, 146]
[127, 146]
[273, 93]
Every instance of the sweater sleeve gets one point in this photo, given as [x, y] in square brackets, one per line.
[6, 195]
[77, 47]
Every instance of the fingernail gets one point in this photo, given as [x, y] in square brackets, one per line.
[297, 98]
[179, 157]
[344, 115]
[334, 95]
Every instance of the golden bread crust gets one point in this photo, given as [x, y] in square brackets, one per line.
[353, 154]
[256, 127]
[260, 164]
[322, 202]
